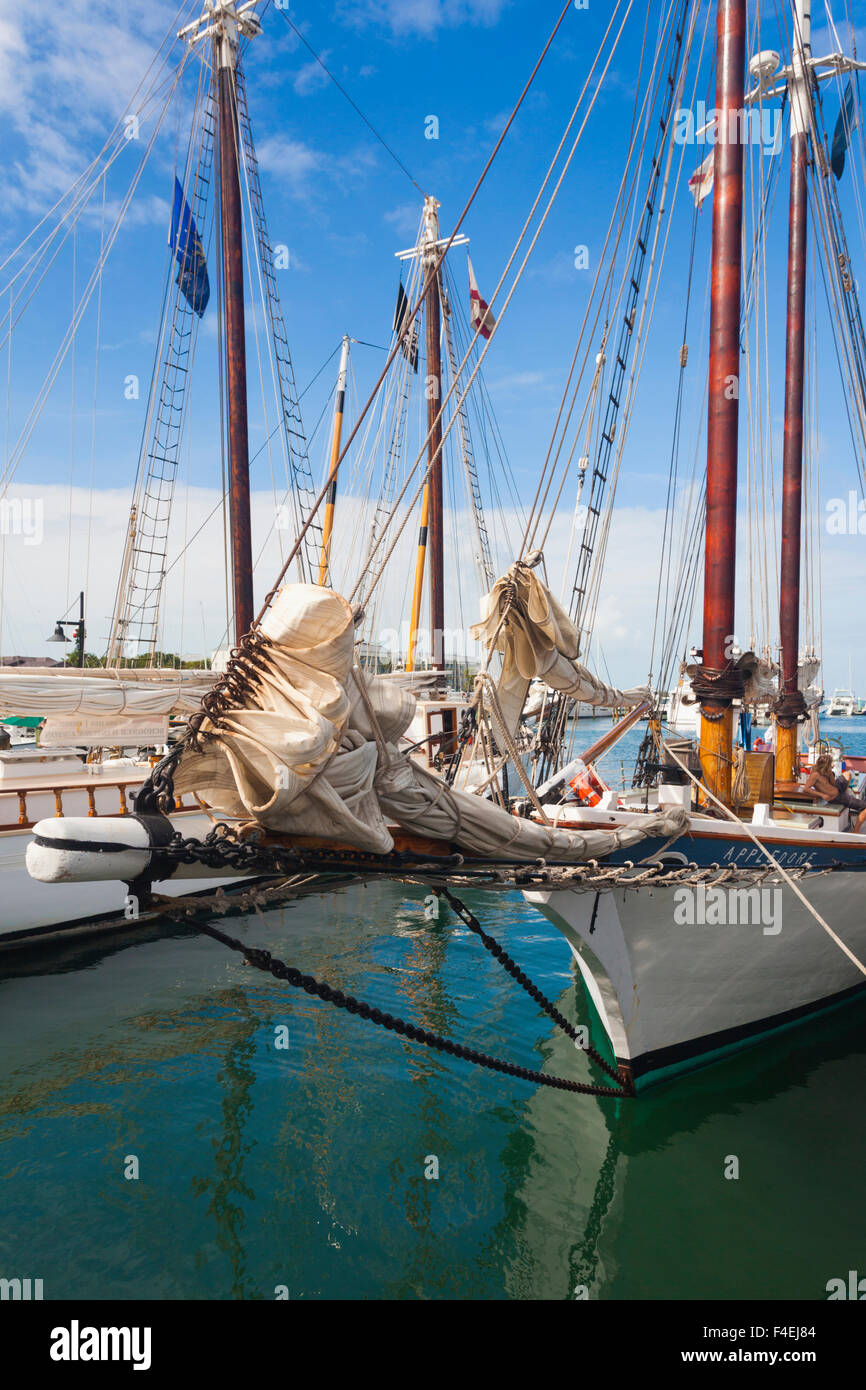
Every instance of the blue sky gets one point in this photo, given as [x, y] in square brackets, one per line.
[342, 207]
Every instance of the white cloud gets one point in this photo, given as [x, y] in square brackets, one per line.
[422, 17]
[194, 603]
[311, 77]
[302, 170]
[405, 219]
[288, 159]
[518, 381]
[64, 81]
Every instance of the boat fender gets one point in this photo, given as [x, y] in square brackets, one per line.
[80, 849]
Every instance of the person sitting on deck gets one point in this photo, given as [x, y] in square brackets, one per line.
[822, 785]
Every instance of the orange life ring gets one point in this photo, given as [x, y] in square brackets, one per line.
[587, 787]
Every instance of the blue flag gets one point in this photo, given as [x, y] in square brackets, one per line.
[845, 124]
[185, 242]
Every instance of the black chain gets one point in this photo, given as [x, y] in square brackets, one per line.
[492, 945]
[263, 960]
[221, 848]
[242, 673]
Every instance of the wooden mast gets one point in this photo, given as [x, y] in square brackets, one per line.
[225, 31]
[419, 578]
[718, 681]
[431, 535]
[331, 499]
[433, 392]
[791, 705]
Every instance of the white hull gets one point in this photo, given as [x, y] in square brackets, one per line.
[31, 911]
[843, 704]
[674, 996]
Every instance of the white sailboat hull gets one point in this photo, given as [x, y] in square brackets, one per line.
[36, 912]
[674, 996]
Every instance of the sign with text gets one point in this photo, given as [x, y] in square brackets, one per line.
[90, 730]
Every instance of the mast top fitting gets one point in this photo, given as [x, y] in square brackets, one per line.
[226, 22]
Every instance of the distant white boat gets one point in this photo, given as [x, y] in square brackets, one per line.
[683, 711]
[843, 704]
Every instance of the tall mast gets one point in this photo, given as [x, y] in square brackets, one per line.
[791, 705]
[433, 391]
[226, 55]
[431, 536]
[225, 21]
[717, 681]
[331, 500]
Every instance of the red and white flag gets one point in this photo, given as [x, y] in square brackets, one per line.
[701, 181]
[479, 313]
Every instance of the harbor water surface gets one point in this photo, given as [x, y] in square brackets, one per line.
[284, 1148]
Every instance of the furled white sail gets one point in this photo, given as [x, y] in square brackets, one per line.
[106, 694]
[313, 752]
[522, 619]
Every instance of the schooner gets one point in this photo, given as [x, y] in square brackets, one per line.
[706, 906]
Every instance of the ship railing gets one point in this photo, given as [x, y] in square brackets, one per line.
[19, 809]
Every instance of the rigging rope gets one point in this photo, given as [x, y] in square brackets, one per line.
[14, 456]
[432, 272]
[354, 105]
[518, 276]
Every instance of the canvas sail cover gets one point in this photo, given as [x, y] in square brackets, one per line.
[538, 640]
[760, 678]
[808, 671]
[104, 694]
[313, 752]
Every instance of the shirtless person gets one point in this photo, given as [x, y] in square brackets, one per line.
[835, 791]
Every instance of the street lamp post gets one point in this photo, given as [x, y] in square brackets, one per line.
[58, 635]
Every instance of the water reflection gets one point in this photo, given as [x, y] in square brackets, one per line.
[306, 1166]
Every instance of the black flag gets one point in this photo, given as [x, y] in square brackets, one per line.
[845, 124]
[405, 329]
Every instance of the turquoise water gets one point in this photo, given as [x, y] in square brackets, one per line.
[304, 1167]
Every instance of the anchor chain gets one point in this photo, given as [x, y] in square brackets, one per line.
[222, 848]
[289, 974]
[492, 945]
[156, 794]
